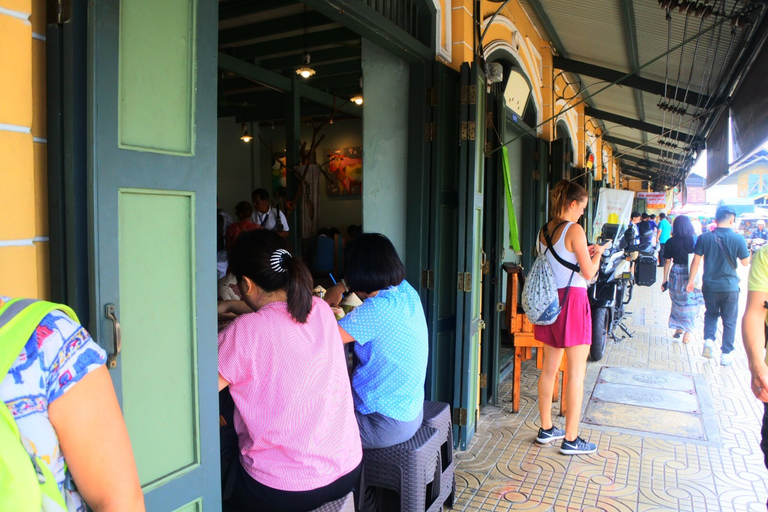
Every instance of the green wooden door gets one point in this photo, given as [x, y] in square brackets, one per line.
[152, 170]
[493, 248]
[471, 186]
[443, 115]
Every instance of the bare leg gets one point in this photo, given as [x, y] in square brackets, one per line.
[549, 369]
[574, 391]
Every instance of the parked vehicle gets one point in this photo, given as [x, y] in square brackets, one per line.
[755, 244]
[612, 289]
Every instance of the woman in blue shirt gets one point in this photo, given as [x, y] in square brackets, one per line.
[389, 332]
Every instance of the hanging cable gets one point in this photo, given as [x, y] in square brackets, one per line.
[617, 81]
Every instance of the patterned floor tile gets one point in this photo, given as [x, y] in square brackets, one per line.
[503, 469]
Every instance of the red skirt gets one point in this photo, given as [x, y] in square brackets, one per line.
[573, 325]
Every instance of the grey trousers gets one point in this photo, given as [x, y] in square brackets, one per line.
[379, 431]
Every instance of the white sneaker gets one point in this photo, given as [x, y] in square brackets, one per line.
[709, 349]
[726, 359]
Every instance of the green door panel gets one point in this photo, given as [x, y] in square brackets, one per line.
[470, 228]
[159, 355]
[443, 235]
[156, 108]
[195, 506]
[152, 211]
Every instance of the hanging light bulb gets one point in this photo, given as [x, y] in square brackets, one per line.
[305, 71]
[358, 98]
[246, 136]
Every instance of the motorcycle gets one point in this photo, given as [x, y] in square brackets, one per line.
[755, 245]
[612, 289]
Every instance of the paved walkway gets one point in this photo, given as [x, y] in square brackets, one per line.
[504, 469]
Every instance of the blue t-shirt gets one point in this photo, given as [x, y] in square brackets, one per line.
[391, 341]
[666, 231]
[719, 275]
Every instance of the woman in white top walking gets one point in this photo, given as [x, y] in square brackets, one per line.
[572, 331]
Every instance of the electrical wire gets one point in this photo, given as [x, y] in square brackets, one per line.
[616, 82]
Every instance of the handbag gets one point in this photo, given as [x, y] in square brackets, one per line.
[698, 279]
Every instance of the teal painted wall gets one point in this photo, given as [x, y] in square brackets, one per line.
[385, 144]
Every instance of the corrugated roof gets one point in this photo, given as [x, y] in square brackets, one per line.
[593, 31]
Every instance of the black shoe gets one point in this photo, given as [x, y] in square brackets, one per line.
[552, 434]
[577, 447]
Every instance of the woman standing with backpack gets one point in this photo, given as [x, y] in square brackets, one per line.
[562, 239]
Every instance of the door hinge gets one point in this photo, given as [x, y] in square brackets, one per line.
[468, 94]
[467, 130]
[467, 281]
[460, 286]
[431, 97]
[500, 306]
[430, 132]
[428, 279]
[488, 148]
[59, 12]
[487, 267]
[489, 119]
[460, 417]
[480, 324]
[483, 380]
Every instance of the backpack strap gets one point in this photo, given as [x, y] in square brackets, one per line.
[725, 253]
[18, 320]
[567, 264]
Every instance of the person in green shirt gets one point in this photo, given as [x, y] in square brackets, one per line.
[753, 329]
[663, 233]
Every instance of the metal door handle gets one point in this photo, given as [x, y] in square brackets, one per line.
[117, 336]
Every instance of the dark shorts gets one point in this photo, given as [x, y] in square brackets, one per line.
[379, 431]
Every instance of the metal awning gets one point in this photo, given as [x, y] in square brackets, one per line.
[684, 57]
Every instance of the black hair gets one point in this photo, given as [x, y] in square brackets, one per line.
[722, 216]
[261, 193]
[682, 227]
[635, 214]
[371, 263]
[662, 216]
[653, 216]
[645, 216]
[262, 256]
[243, 209]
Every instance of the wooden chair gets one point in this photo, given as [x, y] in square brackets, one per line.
[523, 340]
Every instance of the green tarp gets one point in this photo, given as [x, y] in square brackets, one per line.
[514, 238]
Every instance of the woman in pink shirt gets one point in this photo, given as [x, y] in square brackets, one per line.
[283, 362]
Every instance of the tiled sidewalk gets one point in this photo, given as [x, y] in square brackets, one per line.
[504, 469]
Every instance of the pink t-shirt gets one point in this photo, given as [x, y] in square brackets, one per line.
[294, 414]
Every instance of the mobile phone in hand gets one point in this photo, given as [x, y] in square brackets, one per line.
[664, 286]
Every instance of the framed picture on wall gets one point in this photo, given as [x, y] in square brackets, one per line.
[346, 165]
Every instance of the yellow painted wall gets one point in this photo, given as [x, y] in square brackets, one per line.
[24, 269]
[512, 26]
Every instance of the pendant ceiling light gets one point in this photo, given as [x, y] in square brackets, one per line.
[305, 71]
[246, 136]
[358, 98]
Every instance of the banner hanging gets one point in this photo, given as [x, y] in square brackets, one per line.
[654, 200]
[613, 207]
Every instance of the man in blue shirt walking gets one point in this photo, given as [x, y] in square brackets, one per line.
[663, 233]
[720, 249]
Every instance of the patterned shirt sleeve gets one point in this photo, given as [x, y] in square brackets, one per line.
[69, 353]
[361, 322]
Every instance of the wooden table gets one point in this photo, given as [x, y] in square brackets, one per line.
[523, 340]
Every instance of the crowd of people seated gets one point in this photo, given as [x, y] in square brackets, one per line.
[300, 423]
